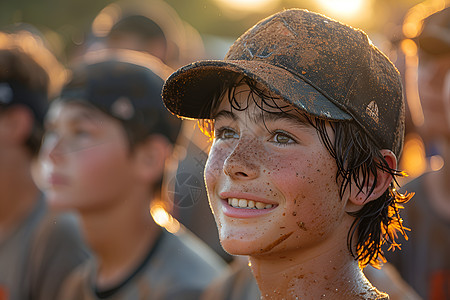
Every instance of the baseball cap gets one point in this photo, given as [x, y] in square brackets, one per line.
[323, 67]
[13, 92]
[129, 91]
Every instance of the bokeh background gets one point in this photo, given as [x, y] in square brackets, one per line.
[71, 27]
[67, 23]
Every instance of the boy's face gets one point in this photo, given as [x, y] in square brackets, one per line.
[86, 160]
[279, 163]
[431, 83]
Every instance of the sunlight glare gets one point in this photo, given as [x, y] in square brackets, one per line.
[164, 219]
[344, 8]
[248, 5]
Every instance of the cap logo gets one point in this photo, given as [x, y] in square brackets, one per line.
[122, 108]
[6, 93]
[372, 111]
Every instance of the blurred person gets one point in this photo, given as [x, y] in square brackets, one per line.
[38, 248]
[108, 137]
[447, 97]
[424, 261]
[301, 171]
[153, 27]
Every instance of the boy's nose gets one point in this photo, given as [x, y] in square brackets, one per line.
[53, 150]
[243, 162]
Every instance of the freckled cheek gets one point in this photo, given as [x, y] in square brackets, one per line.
[214, 166]
[308, 186]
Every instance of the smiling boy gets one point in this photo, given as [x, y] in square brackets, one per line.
[308, 121]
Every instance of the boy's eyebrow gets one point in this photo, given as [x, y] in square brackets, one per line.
[79, 117]
[268, 117]
[225, 114]
[86, 115]
[281, 115]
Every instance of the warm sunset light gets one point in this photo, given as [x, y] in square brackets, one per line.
[105, 20]
[409, 48]
[164, 219]
[343, 8]
[413, 158]
[248, 5]
[436, 162]
[412, 26]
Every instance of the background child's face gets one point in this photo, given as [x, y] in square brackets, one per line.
[85, 158]
[280, 163]
[432, 74]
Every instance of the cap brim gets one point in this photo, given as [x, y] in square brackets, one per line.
[190, 88]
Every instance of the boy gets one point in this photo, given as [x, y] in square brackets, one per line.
[37, 248]
[308, 122]
[424, 261]
[107, 139]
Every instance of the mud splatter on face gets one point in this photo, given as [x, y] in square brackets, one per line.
[301, 225]
[276, 242]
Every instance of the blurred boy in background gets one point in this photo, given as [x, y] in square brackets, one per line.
[37, 249]
[107, 139]
[156, 28]
[424, 261]
[153, 27]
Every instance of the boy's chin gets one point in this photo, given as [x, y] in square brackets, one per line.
[244, 246]
[238, 247]
[243, 240]
[56, 202]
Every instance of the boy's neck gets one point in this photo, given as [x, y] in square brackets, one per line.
[330, 273]
[120, 239]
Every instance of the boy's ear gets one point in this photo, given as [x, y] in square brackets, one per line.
[16, 124]
[151, 156]
[384, 179]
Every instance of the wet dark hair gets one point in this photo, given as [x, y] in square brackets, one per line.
[358, 159]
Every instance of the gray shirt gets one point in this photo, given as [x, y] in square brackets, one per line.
[37, 256]
[180, 266]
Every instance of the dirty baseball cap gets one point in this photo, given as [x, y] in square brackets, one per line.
[321, 66]
[127, 91]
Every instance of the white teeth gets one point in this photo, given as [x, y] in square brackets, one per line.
[260, 205]
[244, 203]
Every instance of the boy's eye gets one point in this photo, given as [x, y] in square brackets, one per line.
[81, 133]
[282, 138]
[226, 133]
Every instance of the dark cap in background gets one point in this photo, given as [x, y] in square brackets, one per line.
[323, 67]
[126, 90]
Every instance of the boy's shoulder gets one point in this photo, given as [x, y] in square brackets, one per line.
[189, 251]
[180, 267]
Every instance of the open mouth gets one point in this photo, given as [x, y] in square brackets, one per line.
[248, 204]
